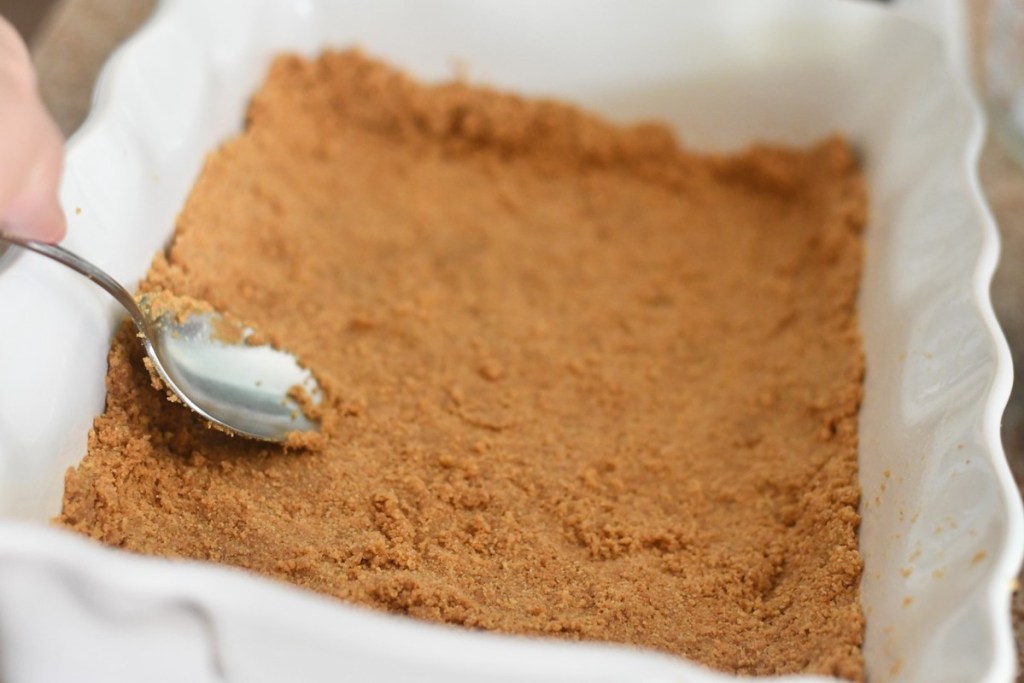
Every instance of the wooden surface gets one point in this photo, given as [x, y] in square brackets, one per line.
[70, 47]
[26, 15]
[78, 35]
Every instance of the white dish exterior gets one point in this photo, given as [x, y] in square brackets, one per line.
[942, 519]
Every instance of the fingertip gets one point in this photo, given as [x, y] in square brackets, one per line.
[45, 224]
[57, 226]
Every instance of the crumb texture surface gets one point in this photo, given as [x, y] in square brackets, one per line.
[580, 382]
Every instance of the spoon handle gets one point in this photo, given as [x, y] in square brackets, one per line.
[83, 267]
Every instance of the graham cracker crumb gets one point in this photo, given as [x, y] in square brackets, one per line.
[592, 386]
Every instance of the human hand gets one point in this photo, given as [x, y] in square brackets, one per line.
[31, 148]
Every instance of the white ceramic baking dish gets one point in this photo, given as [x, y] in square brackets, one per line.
[942, 532]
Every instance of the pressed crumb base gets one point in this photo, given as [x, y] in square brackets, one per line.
[580, 383]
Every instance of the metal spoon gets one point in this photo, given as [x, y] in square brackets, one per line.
[242, 387]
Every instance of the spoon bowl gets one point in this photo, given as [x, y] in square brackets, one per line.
[208, 362]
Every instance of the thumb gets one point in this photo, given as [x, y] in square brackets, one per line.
[32, 148]
[34, 211]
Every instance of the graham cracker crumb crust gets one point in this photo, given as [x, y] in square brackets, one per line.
[579, 382]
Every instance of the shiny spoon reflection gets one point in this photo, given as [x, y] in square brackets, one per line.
[245, 388]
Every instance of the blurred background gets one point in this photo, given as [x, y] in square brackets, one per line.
[69, 41]
[26, 15]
